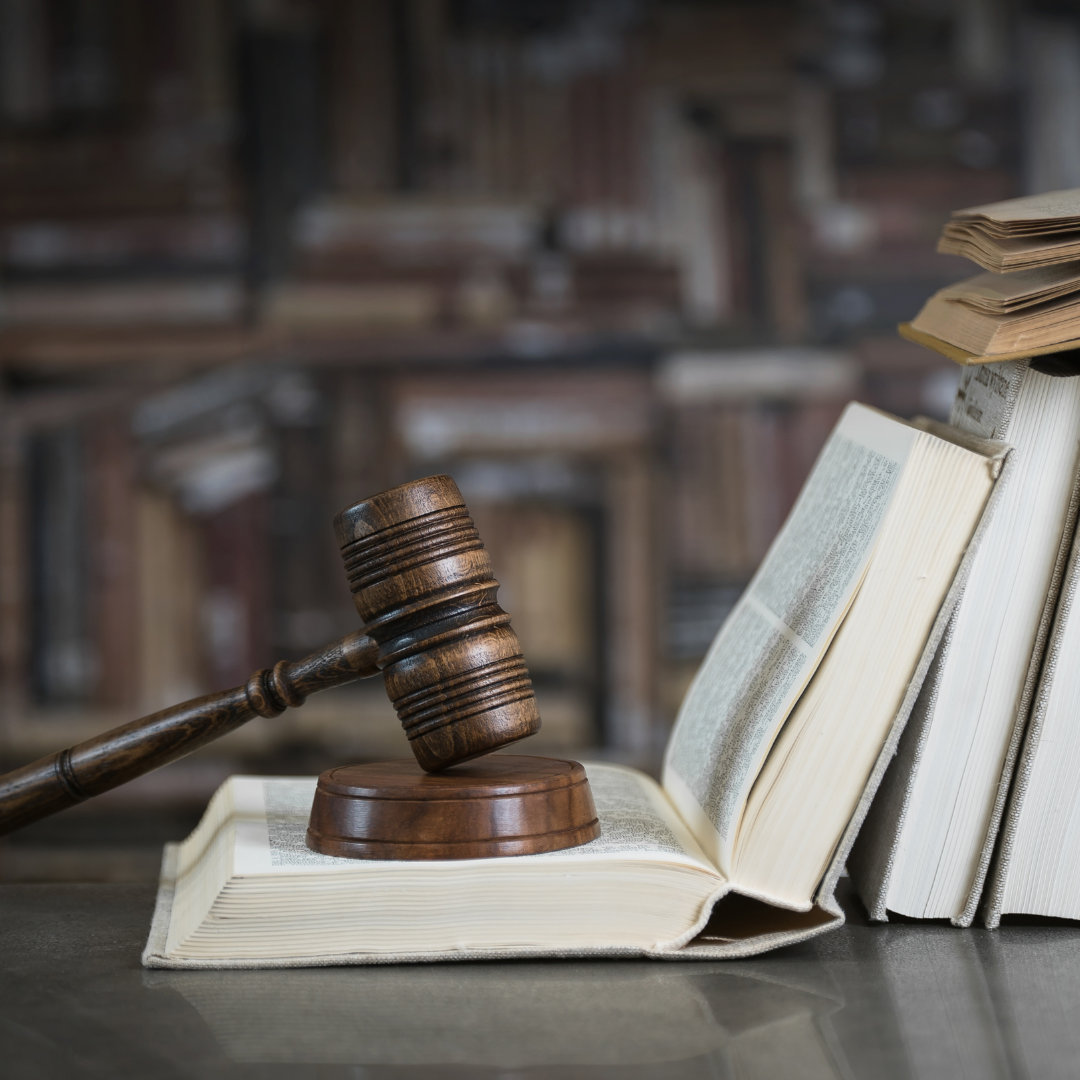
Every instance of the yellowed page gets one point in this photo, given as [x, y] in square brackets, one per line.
[999, 294]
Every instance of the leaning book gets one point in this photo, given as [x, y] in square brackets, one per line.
[1036, 869]
[926, 845]
[775, 755]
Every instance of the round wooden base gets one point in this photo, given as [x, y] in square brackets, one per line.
[502, 804]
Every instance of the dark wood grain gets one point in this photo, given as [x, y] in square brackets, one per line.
[505, 804]
[60, 780]
[422, 582]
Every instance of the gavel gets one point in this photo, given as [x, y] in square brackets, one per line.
[423, 585]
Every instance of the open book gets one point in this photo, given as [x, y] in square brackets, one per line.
[926, 844]
[1017, 234]
[1003, 294]
[774, 757]
[993, 323]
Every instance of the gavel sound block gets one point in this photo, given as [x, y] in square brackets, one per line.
[422, 582]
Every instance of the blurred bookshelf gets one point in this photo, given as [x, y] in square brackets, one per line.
[615, 266]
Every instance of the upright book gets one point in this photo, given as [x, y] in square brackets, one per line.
[927, 841]
[1036, 868]
[775, 756]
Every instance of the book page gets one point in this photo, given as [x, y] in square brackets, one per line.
[1000, 294]
[774, 639]
[636, 821]
[1006, 254]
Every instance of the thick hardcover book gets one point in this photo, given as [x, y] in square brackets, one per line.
[1035, 870]
[775, 756]
[927, 842]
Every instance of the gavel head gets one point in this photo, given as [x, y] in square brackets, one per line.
[422, 582]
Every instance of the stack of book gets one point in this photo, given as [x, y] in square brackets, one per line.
[1029, 301]
[980, 807]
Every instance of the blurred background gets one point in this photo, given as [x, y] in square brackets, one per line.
[615, 266]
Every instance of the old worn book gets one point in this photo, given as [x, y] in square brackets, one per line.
[1003, 294]
[1036, 868]
[989, 336]
[927, 841]
[773, 760]
[1017, 234]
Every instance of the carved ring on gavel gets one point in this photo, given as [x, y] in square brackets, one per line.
[423, 584]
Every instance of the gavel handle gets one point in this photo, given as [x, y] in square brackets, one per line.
[63, 779]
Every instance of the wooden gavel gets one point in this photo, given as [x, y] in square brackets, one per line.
[422, 583]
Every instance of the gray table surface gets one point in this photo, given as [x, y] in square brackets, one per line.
[865, 1001]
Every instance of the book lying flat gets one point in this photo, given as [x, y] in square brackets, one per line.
[926, 844]
[993, 337]
[1036, 869]
[964, 358]
[1017, 234]
[775, 755]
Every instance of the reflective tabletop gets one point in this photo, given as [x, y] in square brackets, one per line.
[864, 1001]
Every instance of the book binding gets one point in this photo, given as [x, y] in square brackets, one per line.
[874, 855]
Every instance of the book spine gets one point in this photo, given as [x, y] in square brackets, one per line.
[62, 660]
[784, 274]
[26, 90]
[629, 662]
[362, 99]
[170, 589]
[302, 554]
[236, 608]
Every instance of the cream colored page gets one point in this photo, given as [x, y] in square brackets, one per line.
[774, 639]
[636, 822]
[808, 789]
